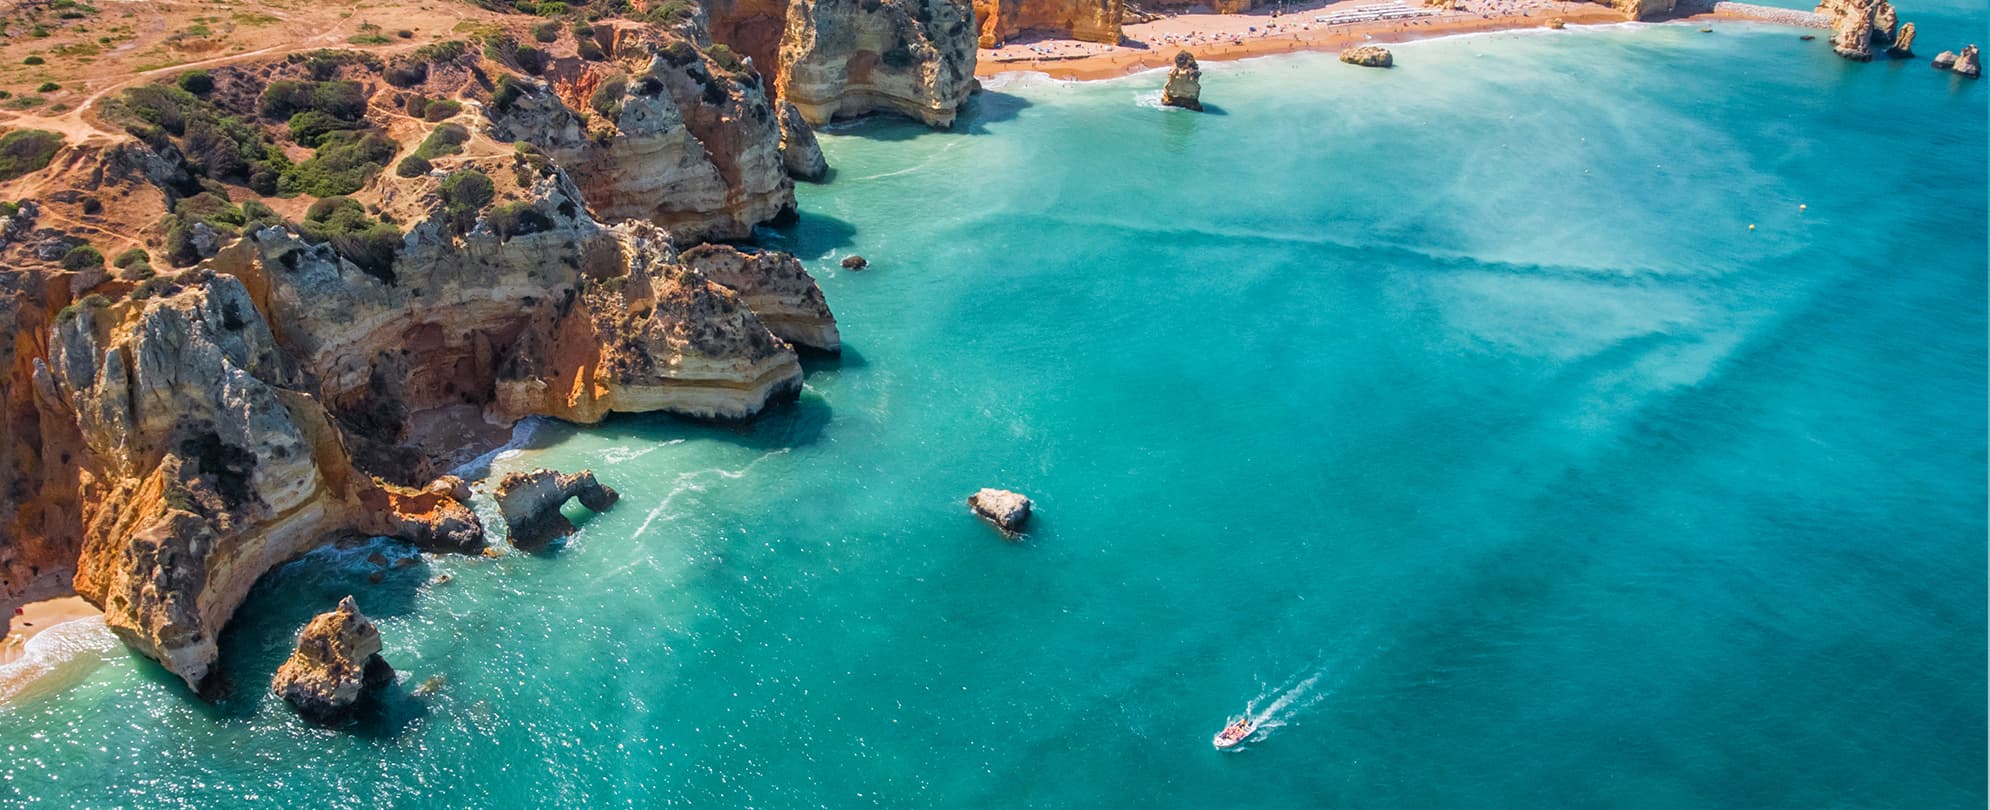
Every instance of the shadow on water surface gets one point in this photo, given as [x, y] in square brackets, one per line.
[812, 236]
[263, 632]
[794, 423]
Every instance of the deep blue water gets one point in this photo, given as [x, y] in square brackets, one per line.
[1451, 417]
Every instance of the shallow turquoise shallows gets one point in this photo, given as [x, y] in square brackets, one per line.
[1451, 419]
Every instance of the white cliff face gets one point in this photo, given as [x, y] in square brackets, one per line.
[778, 290]
[694, 148]
[845, 58]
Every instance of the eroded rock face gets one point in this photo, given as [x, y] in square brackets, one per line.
[800, 154]
[694, 146]
[1857, 25]
[1088, 20]
[778, 290]
[1944, 60]
[1184, 87]
[1965, 62]
[1645, 9]
[1007, 510]
[531, 503]
[845, 58]
[337, 666]
[1903, 43]
[1368, 56]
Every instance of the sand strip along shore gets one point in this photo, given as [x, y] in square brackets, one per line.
[1222, 37]
[35, 617]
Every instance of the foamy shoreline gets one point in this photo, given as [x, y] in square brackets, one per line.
[1153, 45]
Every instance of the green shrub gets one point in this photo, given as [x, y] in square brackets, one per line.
[257, 216]
[517, 218]
[441, 109]
[446, 51]
[9, 208]
[531, 60]
[413, 166]
[405, 34]
[34, 60]
[679, 53]
[92, 206]
[197, 82]
[407, 73]
[607, 98]
[210, 208]
[284, 98]
[508, 92]
[342, 165]
[27, 150]
[723, 56]
[548, 31]
[464, 193]
[447, 139]
[48, 87]
[131, 257]
[342, 222]
[82, 257]
[310, 127]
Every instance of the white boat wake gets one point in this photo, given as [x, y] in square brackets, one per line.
[1281, 703]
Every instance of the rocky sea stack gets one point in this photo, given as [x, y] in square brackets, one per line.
[337, 666]
[1368, 56]
[531, 503]
[1184, 88]
[1007, 510]
[1858, 25]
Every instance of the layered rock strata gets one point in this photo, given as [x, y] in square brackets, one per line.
[337, 666]
[845, 58]
[686, 143]
[776, 287]
[531, 501]
[800, 154]
[1088, 20]
[1184, 87]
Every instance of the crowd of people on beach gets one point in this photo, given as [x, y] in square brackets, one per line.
[1236, 30]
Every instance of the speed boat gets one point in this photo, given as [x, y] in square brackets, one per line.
[1238, 731]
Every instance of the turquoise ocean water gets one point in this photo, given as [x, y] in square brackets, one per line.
[1451, 418]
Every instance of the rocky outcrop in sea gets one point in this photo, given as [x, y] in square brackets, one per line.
[800, 154]
[1368, 56]
[336, 668]
[1184, 87]
[1007, 510]
[1858, 25]
[531, 501]
[1966, 62]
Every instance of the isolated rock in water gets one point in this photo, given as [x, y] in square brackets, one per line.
[776, 287]
[1903, 43]
[1368, 56]
[855, 263]
[1005, 509]
[800, 154]
[530, 502]
[1965, 63]
[337, 665]
[1557, 23]
[1184, 88]
[1944, 60]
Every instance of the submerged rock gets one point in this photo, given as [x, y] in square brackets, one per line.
[855, 263]
[530, 503]
[337, 665]
[1184, 88]
[1368, 56]
[1007, 510]
[1944, 60]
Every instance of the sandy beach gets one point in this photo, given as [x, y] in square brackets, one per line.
[1219, 37]
[35, 617]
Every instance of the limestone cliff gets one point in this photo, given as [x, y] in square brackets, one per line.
[1645, 9]
[170, 435]
[800, 153]
[664, 133]
[845, 58]
[1089, 20]
[778, 290]
[1858, 25]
